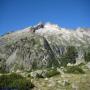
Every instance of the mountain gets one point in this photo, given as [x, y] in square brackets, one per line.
[41, 46]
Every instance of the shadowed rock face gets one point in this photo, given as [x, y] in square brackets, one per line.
[34, 28]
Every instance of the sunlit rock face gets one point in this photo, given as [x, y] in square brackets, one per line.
[41, 46]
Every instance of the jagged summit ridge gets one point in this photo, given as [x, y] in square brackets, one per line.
[49, 28]
[78, 37]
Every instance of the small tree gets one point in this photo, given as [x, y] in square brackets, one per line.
[69, 56]
[87, 56]
[64, 60]
[2, 65]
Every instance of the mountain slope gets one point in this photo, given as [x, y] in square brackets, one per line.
[41, 46]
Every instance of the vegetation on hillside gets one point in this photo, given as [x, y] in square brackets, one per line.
[52, 72]
[2, 65]
[87, 56]
[74, 70]
[69, 56]
[15, 81]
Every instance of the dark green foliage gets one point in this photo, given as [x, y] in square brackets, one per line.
[2, 70]
[52, 72]
[2, 65]
[74, 70]
[69, 56]
[64, 60]
[29, 76]
[87, 56]
[39, 76]
[15, 81]
[81, 64]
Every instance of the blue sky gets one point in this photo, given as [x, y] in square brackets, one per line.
[18, 14]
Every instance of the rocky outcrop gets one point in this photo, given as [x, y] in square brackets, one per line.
[39, 26]
[28, 53]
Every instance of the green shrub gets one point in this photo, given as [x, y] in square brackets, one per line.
[81, 64]
[69, 56]
[15, 81]
[2, 71]
[64, 61]
[87, 56]
[29, 75]
[74, 69]
[2, 65]
[52, 72]
[39, 76]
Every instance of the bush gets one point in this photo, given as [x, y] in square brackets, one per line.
[81, 64]
[52, 72]
[74, 69]
[2, 65]
[3, 70]
[15, 81]
[87, 56]
[69, 56]
[64, 61]
[29, 76]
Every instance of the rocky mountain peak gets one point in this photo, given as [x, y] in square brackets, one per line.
[52, 26]
[41, 46]
[45, 27]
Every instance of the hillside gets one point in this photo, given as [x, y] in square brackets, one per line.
[42, 46]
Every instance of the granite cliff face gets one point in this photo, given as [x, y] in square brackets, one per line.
[41, 46]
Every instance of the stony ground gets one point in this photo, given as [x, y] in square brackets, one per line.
[64, 82]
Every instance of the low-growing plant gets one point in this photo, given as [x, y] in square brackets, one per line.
[15, 81]
[2, 65]
[87, 56]
[69, 56]
[74, 70]
[52, 72]
[81, 64]
[3, 71]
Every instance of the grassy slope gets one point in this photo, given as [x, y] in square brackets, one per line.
[80, 81]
